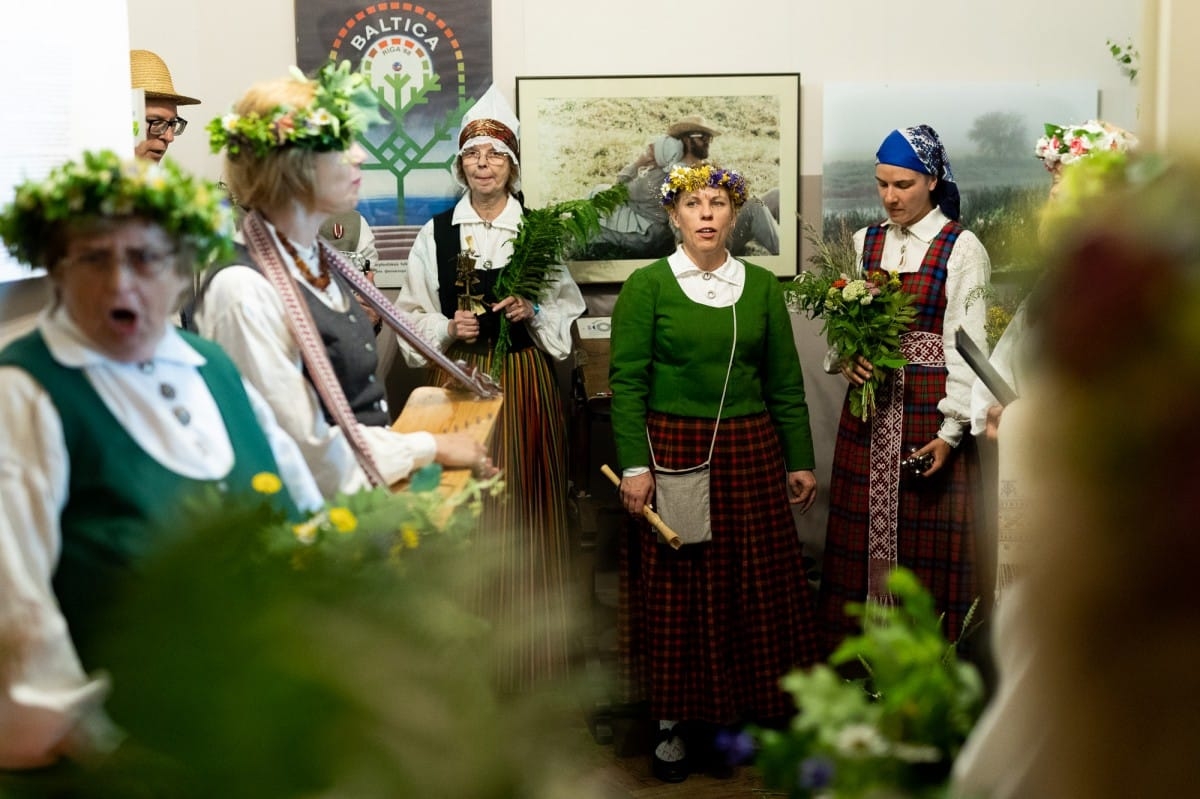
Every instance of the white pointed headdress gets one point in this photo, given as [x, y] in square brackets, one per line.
[492, 121]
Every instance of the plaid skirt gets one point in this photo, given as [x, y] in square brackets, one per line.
[526, 528]
[937, 519]
[708, 630]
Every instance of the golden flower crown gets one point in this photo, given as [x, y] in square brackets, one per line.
[704, 175]
[100, 184]
[343, 106]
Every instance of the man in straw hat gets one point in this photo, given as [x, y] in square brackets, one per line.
[696, 137]
[755, 221]
[163, 124]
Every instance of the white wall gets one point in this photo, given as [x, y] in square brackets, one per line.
[216, 48]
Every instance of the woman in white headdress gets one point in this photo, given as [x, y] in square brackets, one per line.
[461, 312]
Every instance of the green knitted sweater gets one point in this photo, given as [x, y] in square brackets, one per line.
[669, 354]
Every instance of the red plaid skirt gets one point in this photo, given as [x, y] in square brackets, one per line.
[708, 630]
[937, 515]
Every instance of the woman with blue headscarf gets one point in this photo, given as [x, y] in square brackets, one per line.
[923, 519]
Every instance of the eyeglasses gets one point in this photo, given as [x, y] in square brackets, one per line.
[700, 136]
[157, 127]
[494, 157]
[143, 262]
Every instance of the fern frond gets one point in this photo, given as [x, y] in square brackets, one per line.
[539, 249]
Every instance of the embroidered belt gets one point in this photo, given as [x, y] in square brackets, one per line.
[887, 428]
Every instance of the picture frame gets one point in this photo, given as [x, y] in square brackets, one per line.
[579, 134]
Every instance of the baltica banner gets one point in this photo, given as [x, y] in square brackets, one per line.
[429, 63]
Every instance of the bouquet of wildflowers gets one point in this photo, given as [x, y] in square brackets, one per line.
[864, 315]
[894, 733]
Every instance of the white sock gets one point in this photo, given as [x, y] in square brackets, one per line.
[671, 750]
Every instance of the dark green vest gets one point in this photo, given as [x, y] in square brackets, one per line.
[121, 503]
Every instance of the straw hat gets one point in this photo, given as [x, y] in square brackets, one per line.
[151, 74]
[692, 124]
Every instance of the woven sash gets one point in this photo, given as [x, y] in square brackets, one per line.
[887, 428]
[312, 351]
[477, 381]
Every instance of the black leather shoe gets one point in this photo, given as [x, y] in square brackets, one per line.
[668, 770]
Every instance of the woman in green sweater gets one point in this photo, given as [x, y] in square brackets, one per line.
[703, 360]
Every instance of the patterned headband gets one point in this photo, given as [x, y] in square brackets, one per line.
[492, 129]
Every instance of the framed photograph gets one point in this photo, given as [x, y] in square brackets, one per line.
[579, 135]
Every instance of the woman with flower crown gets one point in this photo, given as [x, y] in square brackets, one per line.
[112, 419]
[704, 367]
[924, 519]
[291, 322]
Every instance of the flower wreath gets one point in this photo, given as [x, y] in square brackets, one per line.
[1065, 144]
[704, 175]
[343, 106]
[100, 184]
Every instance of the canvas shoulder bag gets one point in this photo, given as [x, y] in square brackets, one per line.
[682, 496]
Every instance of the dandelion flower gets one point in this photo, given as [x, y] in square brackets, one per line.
[343, 520]
[266, 483]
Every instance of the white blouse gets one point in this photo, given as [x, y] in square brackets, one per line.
[243, 313]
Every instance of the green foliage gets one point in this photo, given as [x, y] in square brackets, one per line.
[894, 733]
[540, 249]
[1127, 57]
[99, 184]
[263, 659]
[343, 106]
[864, 315]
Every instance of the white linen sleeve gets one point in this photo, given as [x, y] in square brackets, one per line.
[550, 327]
[419, 297]
[48, 705]
[968, 268]
[293, 470]
[399, 454]
[242, 312]
[1004, 360]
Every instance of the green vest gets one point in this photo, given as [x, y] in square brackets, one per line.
[121, 503]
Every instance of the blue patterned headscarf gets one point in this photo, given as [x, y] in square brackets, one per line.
[918, 148]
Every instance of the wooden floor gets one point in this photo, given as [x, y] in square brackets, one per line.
[630, 778]
[627, 776]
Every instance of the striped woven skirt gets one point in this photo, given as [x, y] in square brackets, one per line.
[708, 630]
[526, 528]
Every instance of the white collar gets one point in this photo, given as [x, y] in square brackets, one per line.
[732, 271]
[509, 218]
[925, 229]
[70, 347]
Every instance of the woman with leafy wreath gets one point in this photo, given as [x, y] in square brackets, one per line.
[114, 421]
[486, 283]
[881, 515]
[284, 307]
